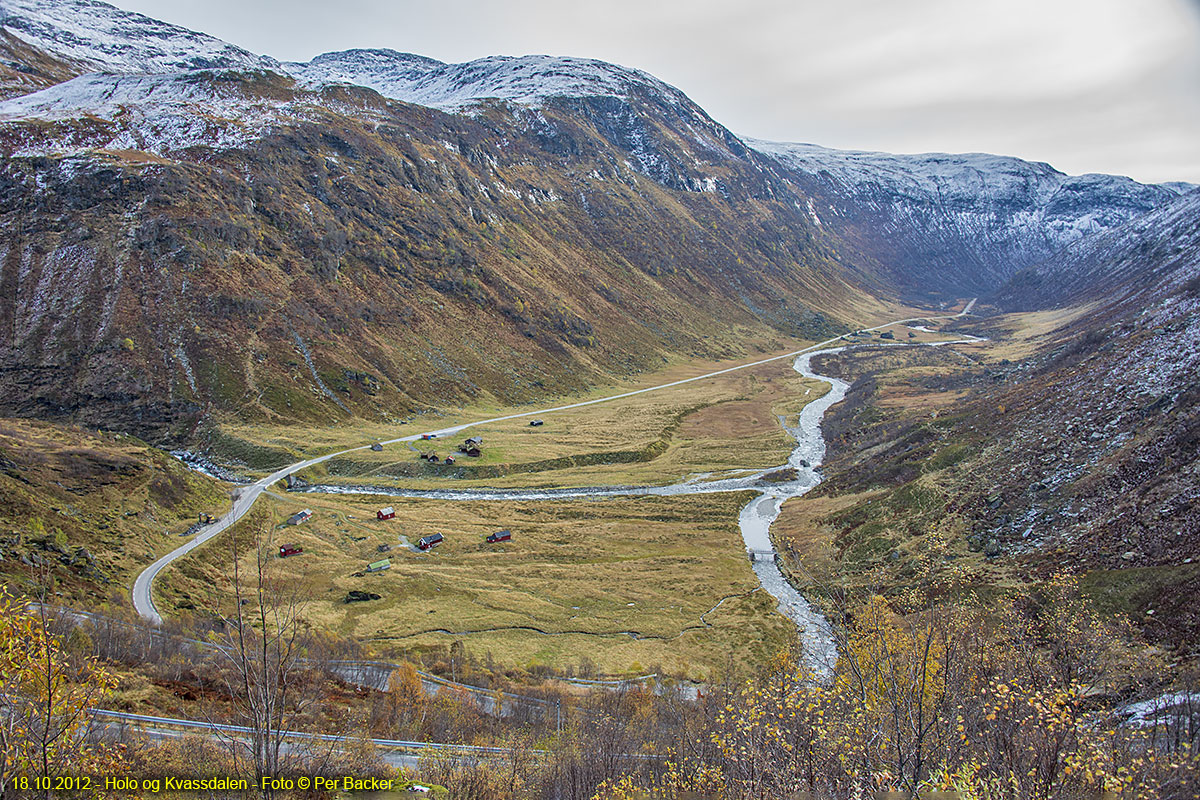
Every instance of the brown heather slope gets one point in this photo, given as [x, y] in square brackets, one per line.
[987, 473]
[364, 257]
[1069, 441]
[82, 511]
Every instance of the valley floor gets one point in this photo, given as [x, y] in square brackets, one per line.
[622, 583]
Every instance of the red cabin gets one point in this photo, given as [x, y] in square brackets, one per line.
[286, 550]
[432, 540]
[386, 513]
[499, 536]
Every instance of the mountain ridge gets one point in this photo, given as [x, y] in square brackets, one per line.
[966, 222]
[525, 80]
[97, 36]
[234, 240]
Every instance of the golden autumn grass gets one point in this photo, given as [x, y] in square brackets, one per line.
[111, 494]
[292, 442]
[620, 581]
[726, 422]
[648, 580]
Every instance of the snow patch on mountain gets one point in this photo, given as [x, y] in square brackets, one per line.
[951, 178]
[1156, 254]
[965, 221]
[524, 80]
[153, 113]
[100, 37]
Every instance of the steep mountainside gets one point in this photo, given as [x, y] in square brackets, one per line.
[95, 36]
[1077, 448]
[189, 231]
[939, 223]
[177, 247]
[625, 106]
[1132, 263]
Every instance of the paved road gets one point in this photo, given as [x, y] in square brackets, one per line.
[397, 752]
[245, 496]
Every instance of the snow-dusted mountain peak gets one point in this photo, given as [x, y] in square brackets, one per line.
[96, 36]
[966, 220]
[944, 175]
[525, 80]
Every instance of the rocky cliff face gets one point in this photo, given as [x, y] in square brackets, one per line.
[1151, 258]
[938, 223]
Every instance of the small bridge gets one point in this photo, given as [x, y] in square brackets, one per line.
[762, 555]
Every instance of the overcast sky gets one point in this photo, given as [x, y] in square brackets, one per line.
[1087, 85]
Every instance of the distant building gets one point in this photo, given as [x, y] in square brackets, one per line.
[499, 536]
[386, 513]
[432, 540]
[286, 550]
[379, 566]
[298, 517]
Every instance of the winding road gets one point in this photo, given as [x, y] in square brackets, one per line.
[245, 496]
